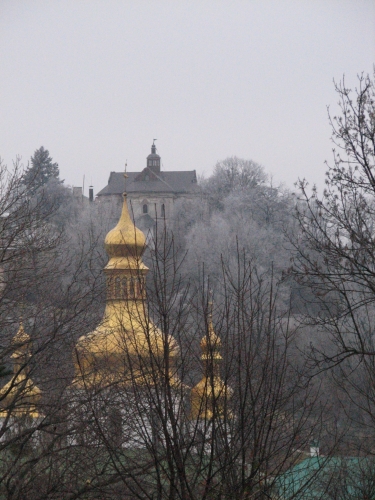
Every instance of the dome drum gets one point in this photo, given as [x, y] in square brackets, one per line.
[120, 286]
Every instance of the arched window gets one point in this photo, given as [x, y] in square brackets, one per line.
[124, 288]
[131, 291]
[117, 288]
[163, 210]
[145, 208]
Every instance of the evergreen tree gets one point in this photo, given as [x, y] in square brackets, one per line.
[42, 169]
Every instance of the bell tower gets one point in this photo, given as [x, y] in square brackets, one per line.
[153, 160]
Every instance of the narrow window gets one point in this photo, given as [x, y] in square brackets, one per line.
[163, 210]
[117, 288]
[145, 209]
[141, 284]
[125, 288]
[131, 289]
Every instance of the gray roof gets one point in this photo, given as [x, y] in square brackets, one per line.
[163, 182]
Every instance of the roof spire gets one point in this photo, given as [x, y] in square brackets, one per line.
[125, 176]
[153, 147]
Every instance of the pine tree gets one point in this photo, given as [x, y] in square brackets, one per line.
[42, 169]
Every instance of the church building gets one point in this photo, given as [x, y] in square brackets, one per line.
[151, 192]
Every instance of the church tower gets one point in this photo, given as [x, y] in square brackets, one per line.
[153, 160]
[121, 347]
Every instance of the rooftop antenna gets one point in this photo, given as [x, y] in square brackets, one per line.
[125, 175]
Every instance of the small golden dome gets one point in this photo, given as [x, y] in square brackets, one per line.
[21, 337]
[21, 343]
[125, 243]
[208, 387]
[210, 342]
[20, 395]
[210, 395]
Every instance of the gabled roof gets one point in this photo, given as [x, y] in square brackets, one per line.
[163, 182]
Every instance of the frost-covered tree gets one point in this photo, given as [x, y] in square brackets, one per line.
[232, 175]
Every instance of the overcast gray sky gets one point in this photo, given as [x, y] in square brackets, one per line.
[94, 81]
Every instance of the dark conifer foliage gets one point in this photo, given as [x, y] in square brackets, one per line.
[42, 169]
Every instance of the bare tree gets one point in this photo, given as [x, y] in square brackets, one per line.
[333, 261]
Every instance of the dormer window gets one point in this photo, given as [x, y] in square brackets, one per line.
[147, 177]
[145, 208]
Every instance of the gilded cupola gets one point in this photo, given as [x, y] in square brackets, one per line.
[210, 396]
[20, 396]
[125, 243]
[118, 349]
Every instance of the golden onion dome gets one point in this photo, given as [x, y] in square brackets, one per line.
[125, 243]
[112, 354]
[210, 387]
[137, 340]
[124, 333]
[209, 398]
